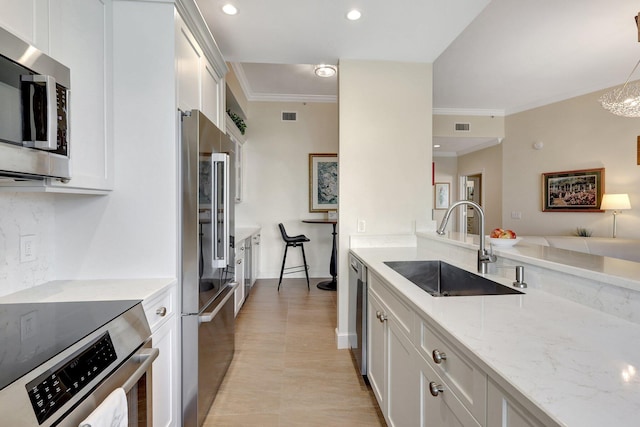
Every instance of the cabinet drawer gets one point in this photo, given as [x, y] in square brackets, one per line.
[159, 307]
[464, 378]
[401, 311]
[444, 409]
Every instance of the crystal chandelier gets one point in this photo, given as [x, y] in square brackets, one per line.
[624, 101]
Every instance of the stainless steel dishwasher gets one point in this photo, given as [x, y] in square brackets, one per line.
[358, 313]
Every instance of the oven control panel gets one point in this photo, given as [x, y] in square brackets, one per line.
[56, 387]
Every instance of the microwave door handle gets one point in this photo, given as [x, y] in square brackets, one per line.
[52, 110]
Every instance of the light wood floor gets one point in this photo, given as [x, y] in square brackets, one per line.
[286, 370]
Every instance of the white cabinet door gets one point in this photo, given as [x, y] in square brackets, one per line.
[239, 277]
[403, 388]
[212, 91]
[504, 411]
[27, 19]
[81, 41]
[188, 56]
[164, 384]
[255, 257]
[376, 351]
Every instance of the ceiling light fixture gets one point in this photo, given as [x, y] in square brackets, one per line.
[229, 9]
[354, 15]
[624, 101]
[324, 70]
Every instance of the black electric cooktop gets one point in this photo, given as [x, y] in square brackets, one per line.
[32, 333]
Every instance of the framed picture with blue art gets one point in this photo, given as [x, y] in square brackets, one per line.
[323, 182]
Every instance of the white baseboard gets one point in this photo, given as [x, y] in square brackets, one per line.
[342, 340]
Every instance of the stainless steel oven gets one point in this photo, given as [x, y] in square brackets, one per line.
[59, 361]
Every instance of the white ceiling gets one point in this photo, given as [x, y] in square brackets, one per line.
[509, 56]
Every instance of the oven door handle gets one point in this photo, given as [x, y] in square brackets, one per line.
[145, 357]
[208, 317]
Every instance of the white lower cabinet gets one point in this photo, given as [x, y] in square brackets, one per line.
[504, 411]
[160, 313]
[392, 369]
[239, 294]
[439, 407]
[421, 378]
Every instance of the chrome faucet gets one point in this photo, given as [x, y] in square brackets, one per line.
[484, 258]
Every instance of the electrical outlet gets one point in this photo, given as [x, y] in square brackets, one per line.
[28, 248]
[362, 226]
[28, 325]
[516, 215]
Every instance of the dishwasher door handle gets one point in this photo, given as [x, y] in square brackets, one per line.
[208, 317]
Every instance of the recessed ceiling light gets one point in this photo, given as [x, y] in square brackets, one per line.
[354, 15]
[436, 145]
[324, 70]
[229, 9]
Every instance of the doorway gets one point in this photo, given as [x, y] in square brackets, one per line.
[471, 190]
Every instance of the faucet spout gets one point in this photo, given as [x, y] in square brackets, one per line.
[484, 258]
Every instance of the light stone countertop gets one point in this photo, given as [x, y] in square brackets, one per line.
[91, 290]
[578, 365]
[244, 232]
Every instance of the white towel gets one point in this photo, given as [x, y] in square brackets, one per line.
[112, 412]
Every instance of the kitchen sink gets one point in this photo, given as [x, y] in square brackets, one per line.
[444, 280]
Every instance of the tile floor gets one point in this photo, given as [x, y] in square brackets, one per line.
[286, 370]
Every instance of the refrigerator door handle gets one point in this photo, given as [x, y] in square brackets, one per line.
[220, 209]
[208, 317]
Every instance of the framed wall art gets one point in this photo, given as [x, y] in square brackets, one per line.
[323, 182]
[441, 195]
[573, 191]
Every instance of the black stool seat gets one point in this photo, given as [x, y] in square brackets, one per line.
[293, 241]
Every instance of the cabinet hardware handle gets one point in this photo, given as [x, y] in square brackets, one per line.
[378, 315]
[435, 389]
[239, 261]
[242, 248]
[383, 317]
[439, 356]
[162, 311]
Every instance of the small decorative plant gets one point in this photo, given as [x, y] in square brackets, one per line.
[237, 120]
[583, 232]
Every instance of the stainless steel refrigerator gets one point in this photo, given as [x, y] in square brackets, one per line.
[207, 176]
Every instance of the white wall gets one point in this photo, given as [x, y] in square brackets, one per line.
[131, 232]
[446, 169]
[276, 181]
[577, 134]
[385, 155]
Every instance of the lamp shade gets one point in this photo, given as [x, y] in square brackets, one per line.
[615, 202]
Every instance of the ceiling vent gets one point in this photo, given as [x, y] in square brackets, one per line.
[463, 127]
[289, 116]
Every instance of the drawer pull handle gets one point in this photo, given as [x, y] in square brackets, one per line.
[162, 311]
[439, 356]
[435, 389]
[381, 316]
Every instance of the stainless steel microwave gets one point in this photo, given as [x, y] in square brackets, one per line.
[34, 112]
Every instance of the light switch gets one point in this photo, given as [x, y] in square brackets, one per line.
[361, 225]
[516, 215]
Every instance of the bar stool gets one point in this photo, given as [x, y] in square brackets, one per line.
[293, 241]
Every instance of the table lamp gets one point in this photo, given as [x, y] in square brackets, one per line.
[615, 202]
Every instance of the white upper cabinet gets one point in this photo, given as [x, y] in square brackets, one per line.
[77, 34]
[80, 40]
[27, 19]
[188, 58]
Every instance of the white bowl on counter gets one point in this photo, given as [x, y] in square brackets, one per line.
[504, 243]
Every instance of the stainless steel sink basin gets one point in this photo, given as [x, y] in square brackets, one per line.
[444, 280]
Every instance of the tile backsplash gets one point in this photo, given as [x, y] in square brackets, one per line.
[26, 214]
